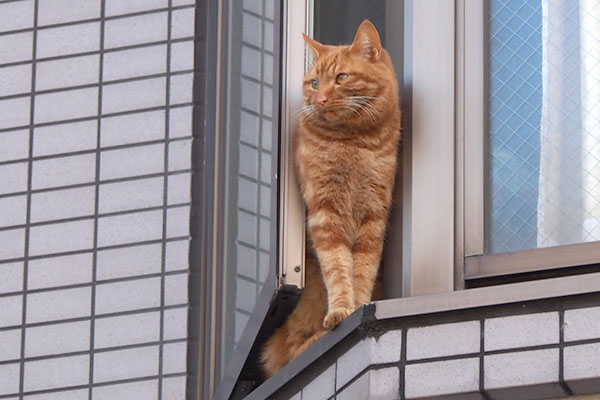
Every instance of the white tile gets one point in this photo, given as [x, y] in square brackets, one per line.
[181, 89]
[128, 295]
[174, 358]
[175, 326]
[133, 128]
[12, 307]
[15, 112]
[129, 261]
[80, 394]
[176, 3]
[176, 289]
[353, 362]
[125, 364]
[58, 305]
[12, 244]
[60, 11]
[180, 122]
[521, 368]
[253, 5]
[132, 161]
[386, 348]
[10, 345]
[581, 324]
[130, 228]
[521, 331]
[61, 237]
[65, 138]
[126, 330]
[15, 80]
[65, 203]
[134, 95]
[322, 387]
[119, 7]
[251, 30]
[64, 171]
[357, 390]
[11, 277]
[182, 23]
[13, 177]
[16, 15]
[13, 210]
[72, 39]
[438, 340]
[57, 339]
[178, 222]
[180, 155]
[182, 56]
[16, 47]
[56, 373]
[130, 195]
[177, 256]
[136, 62]
[581, 362]
[174, 388]
[135, 30]
[59, 271]
[144, 390]
[69, 104]
[377, 384]
[179, 188]
[66, 72]
[14, 145]
[9, 378]
[442, 377]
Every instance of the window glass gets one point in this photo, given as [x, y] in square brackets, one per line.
[544, 124]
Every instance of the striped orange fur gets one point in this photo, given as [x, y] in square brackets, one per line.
[346, 146]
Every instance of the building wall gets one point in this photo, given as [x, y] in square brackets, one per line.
[95, 140]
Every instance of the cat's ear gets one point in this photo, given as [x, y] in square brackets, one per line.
[367, 41]
[317, 48]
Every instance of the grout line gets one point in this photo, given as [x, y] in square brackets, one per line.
[561, 354]
[28, 204]
[403, 363]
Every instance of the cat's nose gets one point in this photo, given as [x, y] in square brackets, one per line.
[322, 100]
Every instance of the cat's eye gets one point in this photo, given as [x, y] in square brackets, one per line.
[314, 84]
[341, 78]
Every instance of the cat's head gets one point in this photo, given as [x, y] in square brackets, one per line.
[352, 86]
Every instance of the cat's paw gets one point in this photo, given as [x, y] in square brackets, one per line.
[335, 316]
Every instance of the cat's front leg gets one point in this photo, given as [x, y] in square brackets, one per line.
[332, 245]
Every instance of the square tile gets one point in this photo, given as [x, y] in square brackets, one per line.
[119, 7]
[57, 339]
[521, 331]
[10, 345]
[374, 384]
[130, 195]
[59, 271]
[129, 261]
[176, 289]
[65, 138]
[180, 122]
[16, 15]
[13, 244]
[581, 362]
[125, 364]
[521, 368]
[64, 171]
[442, 377]
[175, 358]
[16, 47]
[582, 324]
[144, 390]
[177, 257]
[11, 277]
[56, 373]
[181, 89]
[9, 378]
[13, 210]
[136, 62]
[437, 340]
[62, 106]
[126, 330]
[178, 222]
[322, 387]
[60, 11]
[71, 39]
[182, 23]
[145, 28]
[15, 79]
[179, 189]
[67, 72]
[182, 56]
[180, 155]
[65, 203]
[14, 145]
[129, 295]
[61, 237]
[57, 305]
[175, 326]
[15, 112]
[132, 161]
[130, 228]
[134, 95]
[133, 128]
[174, 388]
[12, 314]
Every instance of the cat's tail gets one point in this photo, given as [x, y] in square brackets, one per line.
[275, 354]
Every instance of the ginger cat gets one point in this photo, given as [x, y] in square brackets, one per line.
[346, 146]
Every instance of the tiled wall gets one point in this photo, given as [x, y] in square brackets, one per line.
[95, 140]
[542, 355]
